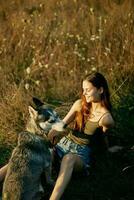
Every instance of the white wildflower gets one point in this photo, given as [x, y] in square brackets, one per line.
[71, 71]
[34, 61]
[46, 66]
[19, 43]
[40, 65]
[40, 28]
[105, 21]
[83, 58]
[100, 30]
[28, 70]
[105, 53]
[32, 46]
[37, 82]
[26, 86]
[78, 37]
[92, 38]
[51, 54]
[71, 35]
[41, 5]
[91, 10]
[107, 49]
[75, 52]
[76, 46]
[129, 14]
[86, 71]
[93, 69]
[79, 55]
[97, 37]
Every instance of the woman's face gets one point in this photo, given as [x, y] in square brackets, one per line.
[91, 93]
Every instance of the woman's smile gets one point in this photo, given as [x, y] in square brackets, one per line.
[89, 91]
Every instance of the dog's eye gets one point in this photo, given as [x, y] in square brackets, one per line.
[51, 120]
[44, 114]
[42, 117]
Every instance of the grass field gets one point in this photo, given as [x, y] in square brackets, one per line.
[46, 48]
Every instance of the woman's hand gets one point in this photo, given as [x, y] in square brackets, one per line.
[54, 136]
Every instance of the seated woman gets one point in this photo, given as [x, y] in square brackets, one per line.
[90, 113]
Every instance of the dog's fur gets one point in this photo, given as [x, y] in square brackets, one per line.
[31, 157]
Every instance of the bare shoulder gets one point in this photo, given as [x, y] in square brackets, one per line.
[107, 121]
[77, 105]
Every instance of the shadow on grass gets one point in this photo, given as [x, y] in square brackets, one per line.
[106, 179]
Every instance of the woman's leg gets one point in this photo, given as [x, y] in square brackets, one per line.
[69, 162]
[3, 172]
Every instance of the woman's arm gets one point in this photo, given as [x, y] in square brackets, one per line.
[71, 114]
[107, 122]
[67, 119]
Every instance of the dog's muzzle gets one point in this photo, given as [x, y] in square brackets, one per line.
[58, 126]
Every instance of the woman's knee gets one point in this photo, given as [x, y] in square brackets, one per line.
[70, 159]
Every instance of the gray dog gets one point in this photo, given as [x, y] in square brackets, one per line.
[32, 156]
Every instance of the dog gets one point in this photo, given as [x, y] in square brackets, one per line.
[32, 156]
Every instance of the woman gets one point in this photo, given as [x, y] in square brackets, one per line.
[89, 113]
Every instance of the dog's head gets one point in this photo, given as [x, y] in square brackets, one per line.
[45, 117]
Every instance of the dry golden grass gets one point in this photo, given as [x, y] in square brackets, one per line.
[46, 47]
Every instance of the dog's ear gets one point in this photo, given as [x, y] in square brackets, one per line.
[33, 113]
[37, 102]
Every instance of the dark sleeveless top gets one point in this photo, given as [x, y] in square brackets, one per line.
[89, 130]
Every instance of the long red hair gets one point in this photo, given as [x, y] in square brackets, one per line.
[98, 81]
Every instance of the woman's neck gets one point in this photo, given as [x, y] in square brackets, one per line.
[96, 107]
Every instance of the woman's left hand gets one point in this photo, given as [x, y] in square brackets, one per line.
[54, 136]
